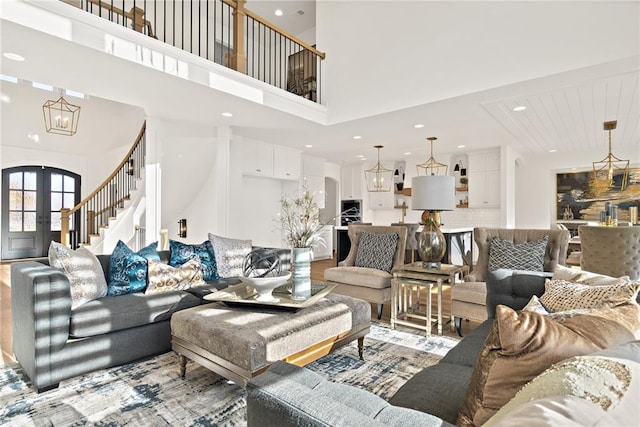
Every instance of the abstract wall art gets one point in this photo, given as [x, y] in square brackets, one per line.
[577, 196]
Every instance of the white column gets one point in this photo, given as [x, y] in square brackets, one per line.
[222, 168]
[153, 183]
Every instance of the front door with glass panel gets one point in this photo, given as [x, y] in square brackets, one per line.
[32, 197]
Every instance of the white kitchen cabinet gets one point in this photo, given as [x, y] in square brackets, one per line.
[484, 179]
[381, 200]
[286, 163]
[315, 185]
[257, 158]
[351, 178]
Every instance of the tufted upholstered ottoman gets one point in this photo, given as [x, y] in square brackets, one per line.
[240, 343]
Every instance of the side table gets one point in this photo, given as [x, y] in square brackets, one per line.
[415, 276]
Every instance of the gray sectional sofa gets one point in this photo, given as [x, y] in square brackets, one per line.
[287, 395]
[52, 342]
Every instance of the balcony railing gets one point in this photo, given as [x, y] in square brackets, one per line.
[225, 32]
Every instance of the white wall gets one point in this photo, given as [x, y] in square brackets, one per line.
[187, 156]
[535, 186]
[354, 91]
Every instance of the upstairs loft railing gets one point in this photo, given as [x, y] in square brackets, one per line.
[85, 220]
[225, 32]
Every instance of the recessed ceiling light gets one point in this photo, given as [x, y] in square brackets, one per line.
[553, 151]
[309, 146]
[74, 93]
[418, 126]
[5, 98]
[519, 108]
[43, 86]
[13, 56]
[6, 78]
[408, 153]
[360, 155]
[461, 146]
[34, 137]
[278, 12]
[226, 114]
[357, 137]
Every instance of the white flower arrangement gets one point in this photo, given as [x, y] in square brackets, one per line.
[301, 221]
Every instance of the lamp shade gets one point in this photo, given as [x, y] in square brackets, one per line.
[433, 193]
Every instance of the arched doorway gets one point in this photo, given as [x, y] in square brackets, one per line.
[32, 197]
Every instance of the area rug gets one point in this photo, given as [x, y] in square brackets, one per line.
[151, 392]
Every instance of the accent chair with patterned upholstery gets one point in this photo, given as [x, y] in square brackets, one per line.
[613, 251]
[468, 299]
[366, 272]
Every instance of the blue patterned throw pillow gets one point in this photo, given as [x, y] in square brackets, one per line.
[377, 250]
[128, 269]
[181, 253]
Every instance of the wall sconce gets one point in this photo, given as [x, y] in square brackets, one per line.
[182, 228]
[130, 167]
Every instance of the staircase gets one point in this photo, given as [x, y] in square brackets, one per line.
[111, 209]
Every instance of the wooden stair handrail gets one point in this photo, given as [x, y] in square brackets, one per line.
[113, 174]
[65, 214]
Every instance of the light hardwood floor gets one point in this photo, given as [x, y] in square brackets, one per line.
[317, 274]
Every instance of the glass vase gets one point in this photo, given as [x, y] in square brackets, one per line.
[301, 272]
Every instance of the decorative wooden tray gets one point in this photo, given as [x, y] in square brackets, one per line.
[245, 295]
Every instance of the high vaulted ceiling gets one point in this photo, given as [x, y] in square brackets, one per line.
[565, 109]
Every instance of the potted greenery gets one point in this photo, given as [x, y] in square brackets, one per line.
[303, 226]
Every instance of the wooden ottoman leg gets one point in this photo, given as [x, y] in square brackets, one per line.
[361, 348]
[183, 366]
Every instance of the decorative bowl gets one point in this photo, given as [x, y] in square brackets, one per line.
[264, 286]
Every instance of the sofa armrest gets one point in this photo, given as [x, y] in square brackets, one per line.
[513, 288]
[288, 395]
[40, 313]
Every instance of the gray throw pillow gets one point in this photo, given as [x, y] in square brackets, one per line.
[230, 254]
[377, 250]
[524, 256]
[83, 270]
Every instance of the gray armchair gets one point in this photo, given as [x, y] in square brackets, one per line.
[614, 251]
[366, 283]
[468, 299]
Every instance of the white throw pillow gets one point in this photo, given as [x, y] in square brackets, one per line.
[230, 254]
[586, 277]
[83, 270]
[596, 389]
